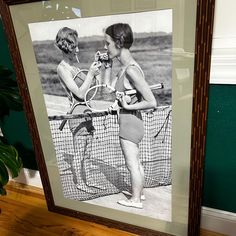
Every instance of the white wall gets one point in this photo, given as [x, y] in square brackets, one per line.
[223, 66]
[225, 19]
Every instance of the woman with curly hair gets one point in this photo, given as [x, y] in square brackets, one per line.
[82, 129]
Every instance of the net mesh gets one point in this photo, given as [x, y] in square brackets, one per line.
[92, 166]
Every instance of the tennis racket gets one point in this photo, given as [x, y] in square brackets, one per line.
[79, 79]
[103, 98]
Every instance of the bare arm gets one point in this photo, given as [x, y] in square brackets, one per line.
[67, 78]
[138, 81]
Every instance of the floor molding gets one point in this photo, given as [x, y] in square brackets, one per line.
[223, 222]
[29, 177]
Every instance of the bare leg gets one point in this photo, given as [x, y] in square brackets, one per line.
[82, 145]
[131, 154]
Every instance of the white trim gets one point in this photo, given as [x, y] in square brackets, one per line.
[223, 66]
[225, 42]
[219, 221]
[29, 177]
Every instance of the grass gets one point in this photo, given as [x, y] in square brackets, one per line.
[153, 53]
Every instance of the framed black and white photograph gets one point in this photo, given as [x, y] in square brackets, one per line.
[115, 93]
[91, 164]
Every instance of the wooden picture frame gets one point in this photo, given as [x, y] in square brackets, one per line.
[191, 58]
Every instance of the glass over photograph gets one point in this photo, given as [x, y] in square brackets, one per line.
[107, 86]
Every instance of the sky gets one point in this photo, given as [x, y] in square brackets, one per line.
[152, 21]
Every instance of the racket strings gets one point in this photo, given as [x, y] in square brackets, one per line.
[100, 98]
[74, 101]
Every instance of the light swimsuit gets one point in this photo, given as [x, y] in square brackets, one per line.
[81, 126]
[130, 122]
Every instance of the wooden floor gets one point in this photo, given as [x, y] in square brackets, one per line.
[24, 212]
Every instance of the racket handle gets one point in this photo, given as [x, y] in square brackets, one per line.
[65, 120]
[157, 86]
[62, 124]
[152, 87]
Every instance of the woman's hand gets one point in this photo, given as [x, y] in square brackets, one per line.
[95, 68]
[124, 101]
[103, 58]
[107, 63]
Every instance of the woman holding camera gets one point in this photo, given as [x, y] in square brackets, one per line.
[82, 129]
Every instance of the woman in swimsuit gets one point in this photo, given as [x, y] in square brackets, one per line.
[118, 40]
[82, 130]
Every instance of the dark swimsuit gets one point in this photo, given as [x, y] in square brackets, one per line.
[130, 122]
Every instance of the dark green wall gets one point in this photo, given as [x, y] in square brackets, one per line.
[220, 165]
[14, 126]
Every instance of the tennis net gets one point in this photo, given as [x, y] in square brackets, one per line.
[92, 166]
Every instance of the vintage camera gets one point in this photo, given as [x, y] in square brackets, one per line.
[102, 57]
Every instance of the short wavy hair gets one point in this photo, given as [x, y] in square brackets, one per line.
[121, 34]
[67, 39]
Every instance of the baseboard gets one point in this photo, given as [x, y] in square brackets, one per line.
[219, 221]
[29, 177]
[212, 219]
